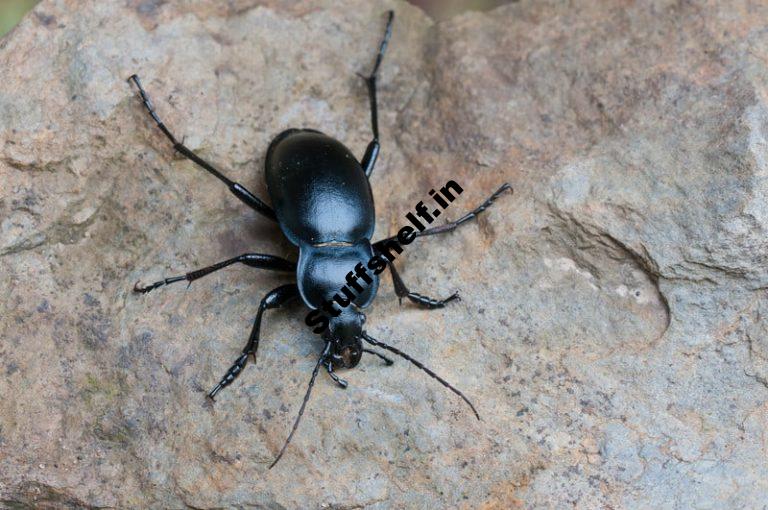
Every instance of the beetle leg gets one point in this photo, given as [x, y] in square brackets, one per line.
[275, 299]
[387, 360]
[329, 368]
[257, 260]
[427, 302]
[451, 226]
[235, 188]
[400, 288]
[372, 151]
[231, 374]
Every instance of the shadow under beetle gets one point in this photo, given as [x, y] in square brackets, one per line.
[323, 204]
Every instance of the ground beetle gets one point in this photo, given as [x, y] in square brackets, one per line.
[323, 204]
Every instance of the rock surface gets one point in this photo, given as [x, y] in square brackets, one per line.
[612, 328]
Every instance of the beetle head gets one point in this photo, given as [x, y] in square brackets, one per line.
[345, 334]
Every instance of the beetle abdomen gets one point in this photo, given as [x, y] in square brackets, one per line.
[319, 191]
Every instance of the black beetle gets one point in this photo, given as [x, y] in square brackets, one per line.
[324, 205]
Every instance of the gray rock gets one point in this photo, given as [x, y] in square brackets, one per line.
[612, 325]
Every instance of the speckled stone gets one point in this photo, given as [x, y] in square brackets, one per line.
[612, 324]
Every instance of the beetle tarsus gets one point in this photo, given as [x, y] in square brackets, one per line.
[231, 374]
[427, 302]
[431, 303]
[383, 45]
[153, 286]
[341, 382]
[372, 151]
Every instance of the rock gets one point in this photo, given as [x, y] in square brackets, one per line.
[612, 324]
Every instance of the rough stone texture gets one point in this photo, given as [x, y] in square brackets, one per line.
[612, 329]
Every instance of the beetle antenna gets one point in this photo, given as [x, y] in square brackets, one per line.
[304, 403]
[419, 364]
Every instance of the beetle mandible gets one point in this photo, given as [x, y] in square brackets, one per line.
[323, 204]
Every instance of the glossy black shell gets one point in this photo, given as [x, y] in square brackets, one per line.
[319, 191]
[324, 205]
